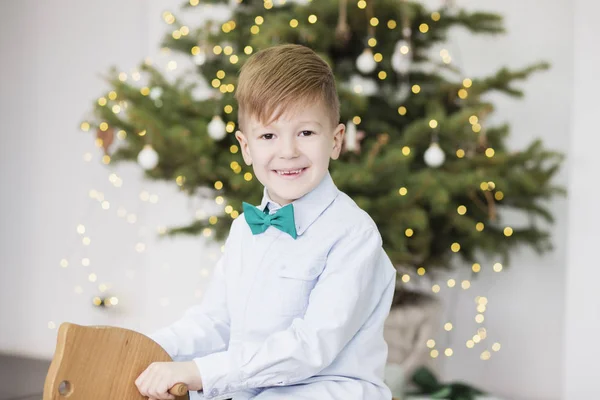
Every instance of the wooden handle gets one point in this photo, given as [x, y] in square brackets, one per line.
[179, 389]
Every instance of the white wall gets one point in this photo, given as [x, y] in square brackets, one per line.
[583, 303]
[56, 52]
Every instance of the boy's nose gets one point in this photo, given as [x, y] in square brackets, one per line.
[288, 148]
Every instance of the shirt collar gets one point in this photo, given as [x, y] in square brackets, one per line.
[310, 206]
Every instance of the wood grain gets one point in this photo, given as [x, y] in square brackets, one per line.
[101, 363]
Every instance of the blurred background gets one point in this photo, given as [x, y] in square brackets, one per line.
[95, 241]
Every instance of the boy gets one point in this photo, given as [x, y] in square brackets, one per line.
[296, 306]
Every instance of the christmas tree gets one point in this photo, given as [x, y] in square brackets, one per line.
[419, 156]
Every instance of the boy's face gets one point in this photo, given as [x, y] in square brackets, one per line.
[291, 155]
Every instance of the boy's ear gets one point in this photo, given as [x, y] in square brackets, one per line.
[338, 141]
[241, 138]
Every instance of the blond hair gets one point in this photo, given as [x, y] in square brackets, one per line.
[282, 78]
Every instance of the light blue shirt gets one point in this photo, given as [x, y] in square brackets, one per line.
[294, 319]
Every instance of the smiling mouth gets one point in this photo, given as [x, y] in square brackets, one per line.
[289, 172]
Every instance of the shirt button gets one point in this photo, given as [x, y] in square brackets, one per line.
[214, 392]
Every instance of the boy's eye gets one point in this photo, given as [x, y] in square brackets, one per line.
[307, 133]
[267, 136]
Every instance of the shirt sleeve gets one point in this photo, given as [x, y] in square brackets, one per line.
[204, 328]
[356, 278]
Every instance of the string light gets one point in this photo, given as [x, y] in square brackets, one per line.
[421, 271]
[465, 284]
[508, 231]
[168, 17]
[416, 89]
[476, 267]
[424, 28]
[294, 23]
[451, 283]
[312, 19]
[402, 191]
[433, 124]
[431, 343]
[405, 278]
[392, 24]
[497, 267]
[362, 4]
[408, 232]
[405, 150]
[402, 110]
[435, 288]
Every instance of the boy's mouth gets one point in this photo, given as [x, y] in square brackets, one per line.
[289, 173]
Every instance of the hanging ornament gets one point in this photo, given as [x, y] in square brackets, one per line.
[216, 128]
[365, 62]
[352, 138]
[200, 58]
[342, 30]
[402, 57]
[148, 157]
[107, 137]
[434, 155]
[363, 85]
[156, 93]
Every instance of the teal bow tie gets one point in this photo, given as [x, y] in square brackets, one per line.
[259, 221]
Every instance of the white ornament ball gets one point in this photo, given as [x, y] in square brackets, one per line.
[216, 128]
[156, 92]
[434, 155]
[402, 57]
[200, 58]
[148, 157]
[365, 62]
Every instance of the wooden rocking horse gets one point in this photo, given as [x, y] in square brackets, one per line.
[102, 363]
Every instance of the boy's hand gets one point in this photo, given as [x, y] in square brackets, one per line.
[159, 377]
